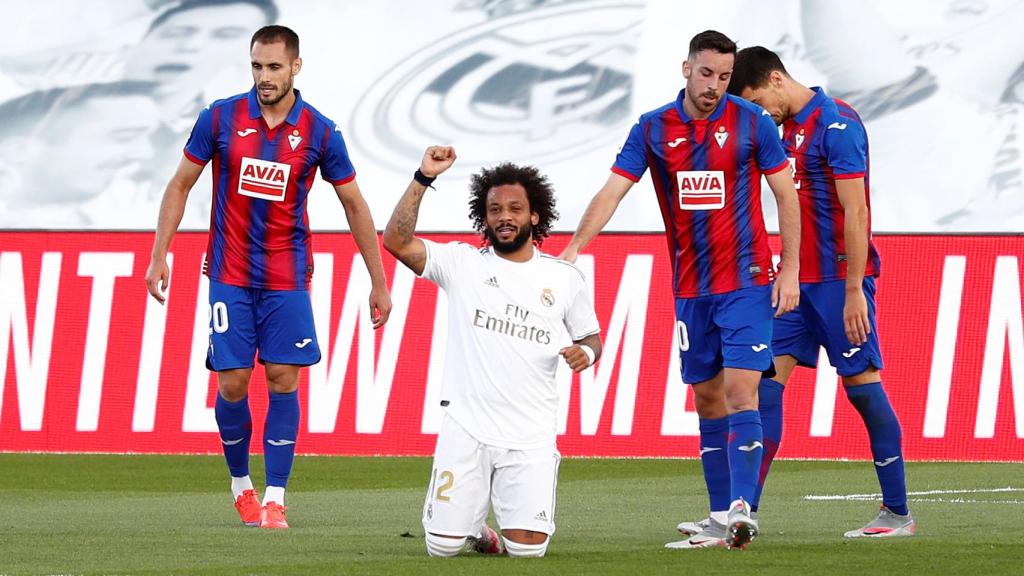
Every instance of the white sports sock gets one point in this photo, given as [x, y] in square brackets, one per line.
[517, 550]
[443, 546]
[274, 494]
[239, 485]
[720, 516]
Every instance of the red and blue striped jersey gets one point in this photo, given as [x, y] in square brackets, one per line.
[826, 141]
[707, 175]
[259, 228]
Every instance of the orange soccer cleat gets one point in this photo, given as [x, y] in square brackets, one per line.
[272, 516]
[248, 506]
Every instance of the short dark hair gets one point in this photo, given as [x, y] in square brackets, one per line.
[711, 40]
[539, 193]
[753, 67]
[32, 112]
[276, 33]
[269, 8]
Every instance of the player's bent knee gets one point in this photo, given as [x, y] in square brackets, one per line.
[520, 550]
[444, 546]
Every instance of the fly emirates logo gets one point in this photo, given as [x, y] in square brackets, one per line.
[701, 190]
[513, 324]
[263, 179]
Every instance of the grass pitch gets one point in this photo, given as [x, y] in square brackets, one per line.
[99, 514]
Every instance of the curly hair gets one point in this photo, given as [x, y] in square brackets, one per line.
[539, 193]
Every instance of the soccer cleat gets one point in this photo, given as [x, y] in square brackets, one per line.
[248, 506]
[488, 542]
[711, 536]
[272, 516]
[886, 524]
[741, 527]
[688, 529]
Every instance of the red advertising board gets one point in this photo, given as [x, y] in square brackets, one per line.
[90, 363]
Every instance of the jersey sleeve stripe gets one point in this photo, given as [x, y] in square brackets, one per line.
[778, 168]
[625, 174]
[850, 176]
[195, 159]
[344, 180]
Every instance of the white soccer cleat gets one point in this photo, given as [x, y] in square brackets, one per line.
[885, 525]
[711, 536]
[688, 529]
[741, 529]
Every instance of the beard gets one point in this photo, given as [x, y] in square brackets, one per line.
[287, 88]
[524, 235]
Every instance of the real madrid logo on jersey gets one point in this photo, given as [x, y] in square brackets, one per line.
[547, 297]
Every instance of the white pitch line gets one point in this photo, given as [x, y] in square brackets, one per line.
[965, 501]
[923, 493]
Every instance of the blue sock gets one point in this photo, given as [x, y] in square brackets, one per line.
[770, 406]
[234, 421]
[745, 451]
[279, 437]
[886, 439]
[714, 458]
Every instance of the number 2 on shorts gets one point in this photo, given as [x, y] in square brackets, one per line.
[448, 480]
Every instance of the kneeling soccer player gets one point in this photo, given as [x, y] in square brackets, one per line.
[512, 310]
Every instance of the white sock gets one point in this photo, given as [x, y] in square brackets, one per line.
[274, 494]
[517, 550]
[721, 516]
[239, 485]
[443, 547]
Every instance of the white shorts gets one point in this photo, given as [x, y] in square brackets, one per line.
[520, 484]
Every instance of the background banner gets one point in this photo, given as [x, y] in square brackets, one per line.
[89, 362]
[96, 105]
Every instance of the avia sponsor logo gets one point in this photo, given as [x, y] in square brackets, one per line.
[551, 80]
[701, 190]
[263, 179]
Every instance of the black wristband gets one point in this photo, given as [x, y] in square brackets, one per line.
[423, 178]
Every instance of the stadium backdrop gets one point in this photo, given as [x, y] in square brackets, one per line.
[90, 363]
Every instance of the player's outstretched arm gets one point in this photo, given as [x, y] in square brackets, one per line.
[360, 221]
[786, 290]
[172, 208]
[577, 358]
[598, 213]
[855, 234]
[399, 238]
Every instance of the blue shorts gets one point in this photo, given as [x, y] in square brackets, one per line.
[277, 323]
[818, 322]
[731, 330]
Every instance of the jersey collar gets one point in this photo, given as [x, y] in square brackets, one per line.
[293, 114]
[715, 115]
[813, 104]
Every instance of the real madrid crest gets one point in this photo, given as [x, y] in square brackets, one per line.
[547, 297]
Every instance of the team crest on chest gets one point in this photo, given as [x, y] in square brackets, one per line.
[799, 138]
[294, 139]
[721, 136]
[547, 297]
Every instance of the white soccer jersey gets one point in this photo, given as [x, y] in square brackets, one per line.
[506, 323]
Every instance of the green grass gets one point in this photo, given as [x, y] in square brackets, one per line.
[91, 514]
